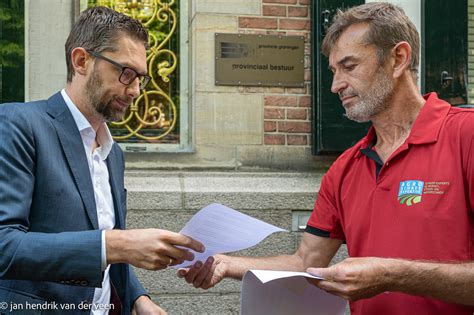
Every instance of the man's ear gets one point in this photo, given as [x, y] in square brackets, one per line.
[80, 60]
[401, 55]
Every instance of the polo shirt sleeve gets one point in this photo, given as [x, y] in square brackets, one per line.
[325, 218]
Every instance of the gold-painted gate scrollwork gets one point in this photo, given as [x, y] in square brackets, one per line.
[153, 115]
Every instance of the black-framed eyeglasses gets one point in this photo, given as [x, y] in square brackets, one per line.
[128, 75]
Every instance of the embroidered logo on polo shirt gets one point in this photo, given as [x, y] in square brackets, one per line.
[410, 192]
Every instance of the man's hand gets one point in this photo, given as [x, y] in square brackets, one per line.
[151, 249]
[205, 275]
[144, 306]
[355, 278]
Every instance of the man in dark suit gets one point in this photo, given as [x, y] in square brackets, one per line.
[62, 196]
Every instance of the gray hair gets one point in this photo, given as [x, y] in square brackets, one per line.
[388, 26]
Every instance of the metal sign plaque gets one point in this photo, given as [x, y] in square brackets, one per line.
[259, 60]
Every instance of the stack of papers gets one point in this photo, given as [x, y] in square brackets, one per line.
[286, 292]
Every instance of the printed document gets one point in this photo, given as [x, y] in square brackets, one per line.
[286, 292]
[223, 230]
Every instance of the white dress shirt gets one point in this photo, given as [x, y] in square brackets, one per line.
[102, 192]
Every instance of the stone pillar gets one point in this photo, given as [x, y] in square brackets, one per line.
[47, 25]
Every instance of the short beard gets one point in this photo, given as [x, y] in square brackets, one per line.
[374, 100]
[97, 101]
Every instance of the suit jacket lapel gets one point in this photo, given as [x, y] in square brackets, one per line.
[113, 166]
[73, 148]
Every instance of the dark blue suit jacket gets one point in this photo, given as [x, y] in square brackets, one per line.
[50, 244]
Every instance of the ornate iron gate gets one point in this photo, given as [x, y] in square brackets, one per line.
[153, 116]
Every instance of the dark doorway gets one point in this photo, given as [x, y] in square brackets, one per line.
[332, 131]
[445, 49]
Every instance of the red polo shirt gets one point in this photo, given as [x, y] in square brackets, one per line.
[418, 205]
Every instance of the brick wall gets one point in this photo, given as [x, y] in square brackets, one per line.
[287, 111]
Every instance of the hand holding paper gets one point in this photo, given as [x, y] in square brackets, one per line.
[222, 230]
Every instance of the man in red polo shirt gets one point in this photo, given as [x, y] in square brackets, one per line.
[402, 198]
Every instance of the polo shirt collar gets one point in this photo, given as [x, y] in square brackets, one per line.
[427, 125]
[368, 140]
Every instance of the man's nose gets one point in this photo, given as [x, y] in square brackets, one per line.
[338, 83]
[134, 88]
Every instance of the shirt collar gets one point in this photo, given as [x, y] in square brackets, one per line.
[81, 121]
[368, 140]
[426, 127]
[103, 136]
[428, 123]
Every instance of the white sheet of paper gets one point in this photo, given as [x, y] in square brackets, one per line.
[286, 292]
[223, 230]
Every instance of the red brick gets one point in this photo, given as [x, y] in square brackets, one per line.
[274, 10]
[277, 100]
[274, 139]
[274, 113]
[294, 24]
[297, 139]
[304, 101]
[280, 1]
[294, 126]
[270, 126]
[307, 74]
[296, 113]
[297, 11]
[248, 22]
[305, 1]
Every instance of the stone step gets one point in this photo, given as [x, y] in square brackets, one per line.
[184, 190]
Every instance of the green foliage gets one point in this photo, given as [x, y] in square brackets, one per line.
[11, 32]
[10, 54]
[12, 51]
